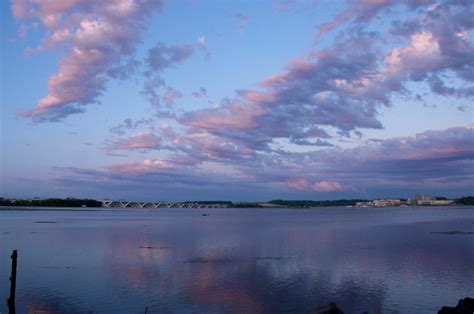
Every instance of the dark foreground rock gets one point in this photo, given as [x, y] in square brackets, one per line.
[328, 309]
[465, 306]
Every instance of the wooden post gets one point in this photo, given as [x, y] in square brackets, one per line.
[11, 299]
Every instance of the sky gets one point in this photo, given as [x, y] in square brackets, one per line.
[236, 100]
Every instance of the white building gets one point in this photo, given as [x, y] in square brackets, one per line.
[419, 199]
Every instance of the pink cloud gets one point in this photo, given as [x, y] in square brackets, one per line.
[298, 184]
[49, 12]
[327, 186]
[171, 95]
[271, 80]
[97, 37]
[338, 20]
[258, 97]
[139, 168]
[426, 145]
[235, 116]
[430, 156]
[145, 141]
[423, 53]
[318, 186]
[406, 165]
[207, 146]
[364, 10]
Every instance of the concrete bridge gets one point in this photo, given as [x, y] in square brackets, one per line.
[132, 204]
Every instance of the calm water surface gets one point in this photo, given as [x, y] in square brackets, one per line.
[238, 260]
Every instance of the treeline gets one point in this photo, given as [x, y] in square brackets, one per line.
[52, 202]
[226, 203]
[308, 203]
[466, 200]
[246, 205]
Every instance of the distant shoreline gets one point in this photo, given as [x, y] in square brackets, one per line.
[105, 209]
[90, 204]
[138, 210]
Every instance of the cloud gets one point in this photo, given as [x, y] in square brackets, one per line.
[97, 36]
[443, 157]
[433, 161]
[438, 37]
[202, 45]
[147, 166]
[129, 124]
[327, 186]
[140, 141]
[201, 93]
[242, 20]
[317, 142]
[285, 5]
[298, 184]
[202, 41]
[161, 57]
[344, 87]
[324, 96]
[327, 90]
[170, 96]
[362, 11]
[232, 116]
[125, 70]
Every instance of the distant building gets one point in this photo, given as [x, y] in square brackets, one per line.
[420, 200]
[382, 203]
[442, 202]
[386, 202]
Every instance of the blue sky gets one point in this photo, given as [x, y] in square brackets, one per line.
[241, 100]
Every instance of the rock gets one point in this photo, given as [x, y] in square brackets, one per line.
[465, 306]
[328, 309]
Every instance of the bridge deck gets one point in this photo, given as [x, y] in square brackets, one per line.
[131, 204]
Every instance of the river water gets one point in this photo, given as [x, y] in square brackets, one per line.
[238, 260]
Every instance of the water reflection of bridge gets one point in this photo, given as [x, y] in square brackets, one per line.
[132, 204]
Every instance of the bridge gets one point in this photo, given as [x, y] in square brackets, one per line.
[132, 204]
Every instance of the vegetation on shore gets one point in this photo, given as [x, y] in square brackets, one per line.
[308, 203]
[246, 205]
[224, 203]
[466, 200]
[52, 202]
